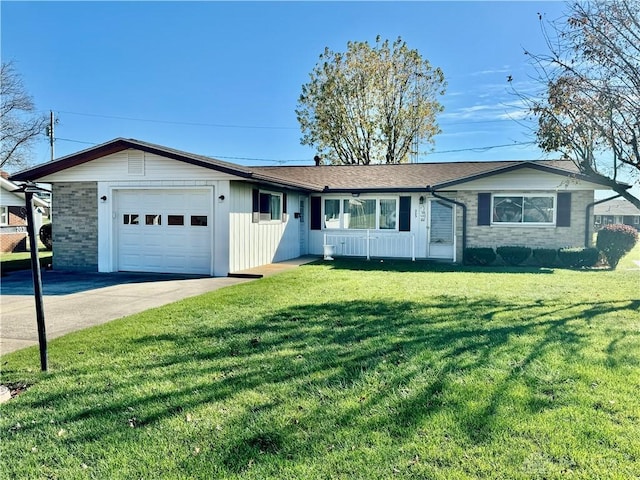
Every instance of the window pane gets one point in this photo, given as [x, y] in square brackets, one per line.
[175, 219]
[276, 210]
[198, 220]
[270, 207]
[538, 209]
[441, 223]
[360, 214]
[4, 217]
[264, 203]
[332, 214]
[152, 219]
[507, 209]
[388, 214]
[130, 219]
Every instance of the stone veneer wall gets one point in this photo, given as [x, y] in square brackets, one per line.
[74, 218]
[534, 237]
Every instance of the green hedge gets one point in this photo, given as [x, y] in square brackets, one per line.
[579, 257]
[514, 255]
[479, 256]
[614, 241]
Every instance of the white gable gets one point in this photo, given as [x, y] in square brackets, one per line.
[528, 179]
[135, 165]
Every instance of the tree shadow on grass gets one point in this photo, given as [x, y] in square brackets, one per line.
[302, 378]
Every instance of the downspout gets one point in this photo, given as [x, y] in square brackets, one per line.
[587, 240]
[464, 214]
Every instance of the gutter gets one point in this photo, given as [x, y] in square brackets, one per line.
[432, 191]
[587, 240]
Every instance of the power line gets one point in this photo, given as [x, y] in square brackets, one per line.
[171, 122]
[282, 161]
[259, 127]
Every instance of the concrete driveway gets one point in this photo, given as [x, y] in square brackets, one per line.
[73, 301]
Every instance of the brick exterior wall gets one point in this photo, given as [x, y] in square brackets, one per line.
[11, 241]
[74, 218]
[534, 237]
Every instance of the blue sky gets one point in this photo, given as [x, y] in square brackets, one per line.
[223, 78]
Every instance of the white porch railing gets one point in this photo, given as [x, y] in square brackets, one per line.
[372, 243]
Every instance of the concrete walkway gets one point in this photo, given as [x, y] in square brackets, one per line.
[73, 301]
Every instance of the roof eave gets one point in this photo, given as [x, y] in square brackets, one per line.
[119, 145]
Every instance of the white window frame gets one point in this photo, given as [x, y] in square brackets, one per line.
[341, 221]
[270, 213]
[522, 223]
[4, 215]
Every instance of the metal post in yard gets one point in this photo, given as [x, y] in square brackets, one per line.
[37, 277]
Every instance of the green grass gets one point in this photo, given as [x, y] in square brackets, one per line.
[358, 370]
[10, 262]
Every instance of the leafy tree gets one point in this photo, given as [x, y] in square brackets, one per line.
[591, 109]
[370, 104]
[20, 124]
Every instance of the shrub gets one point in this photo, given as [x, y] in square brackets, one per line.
[545, 257]
[616, 240]
[479, 256]
[514, 255]
[578, 257]
[45, 236]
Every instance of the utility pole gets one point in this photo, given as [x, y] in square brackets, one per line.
[51, 133]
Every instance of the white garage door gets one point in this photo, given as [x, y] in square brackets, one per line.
[164, 231]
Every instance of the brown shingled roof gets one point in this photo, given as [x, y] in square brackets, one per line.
[406, 177]
[329, 178]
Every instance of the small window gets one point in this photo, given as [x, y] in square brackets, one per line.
[598, 220]
[198, 220]
[4, 215]
[175, 219]
[131, 219]
[270, 206]
[388, 214]
[331, 213]
[636, 220]
[153, 219]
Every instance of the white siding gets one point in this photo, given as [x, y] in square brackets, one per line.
[8, 199]
[527, 178]
[254, 244]
[381, 243]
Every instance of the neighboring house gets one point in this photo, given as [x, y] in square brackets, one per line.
[616, 211]
[13, 218]
[128, 205]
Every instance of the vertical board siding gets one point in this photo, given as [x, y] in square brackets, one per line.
[254, 244]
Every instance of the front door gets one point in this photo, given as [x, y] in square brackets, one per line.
[441, 229]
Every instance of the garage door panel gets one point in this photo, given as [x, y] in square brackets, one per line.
[158, 242]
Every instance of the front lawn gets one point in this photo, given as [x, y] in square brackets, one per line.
[354, 370]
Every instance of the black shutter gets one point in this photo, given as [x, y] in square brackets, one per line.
[316, 213]
[255, 217]
[563, 216]
[484, 209]
[284, 203]
[404, 222]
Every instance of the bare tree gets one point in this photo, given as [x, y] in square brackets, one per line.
[370, 104]
[20, 123]
[591, 109]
